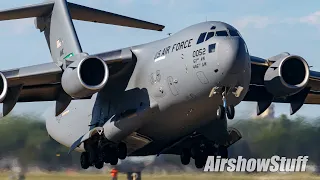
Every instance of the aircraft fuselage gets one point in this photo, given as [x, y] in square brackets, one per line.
[173, 90]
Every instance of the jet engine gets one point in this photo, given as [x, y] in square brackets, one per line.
[85, 77]
[287, 76]
[3, 87]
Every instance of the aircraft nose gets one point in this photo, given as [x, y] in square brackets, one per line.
[233, 55]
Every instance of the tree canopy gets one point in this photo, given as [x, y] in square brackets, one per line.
[26, 138]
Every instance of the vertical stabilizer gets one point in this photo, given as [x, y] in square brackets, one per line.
[59, 31]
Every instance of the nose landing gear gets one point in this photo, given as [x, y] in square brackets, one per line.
[224, 109]
[221, 112]
[230, 112]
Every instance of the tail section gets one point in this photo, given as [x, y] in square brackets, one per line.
[54, 18]
[59, 31]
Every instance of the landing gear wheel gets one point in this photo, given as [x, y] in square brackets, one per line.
[84, 160]
[221, 113]
[99, 164]
[223, 152]
[122, 151]
[199, 162]
[113, 160]
[230, 112]
[106, 157]
[185, 157]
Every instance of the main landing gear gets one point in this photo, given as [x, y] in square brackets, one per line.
[200, 153]
[224, 109]
[201, 149]
[97, 155]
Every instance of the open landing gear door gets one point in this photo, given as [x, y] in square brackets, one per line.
[85, 137]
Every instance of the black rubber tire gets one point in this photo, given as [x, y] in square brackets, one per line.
[230, 112]
[185, 156]
[223, 152]
[106, 157]
[113, 160]
[99, 164]
[122, 150]
[199, 162]
[221, 112]
[84, 160]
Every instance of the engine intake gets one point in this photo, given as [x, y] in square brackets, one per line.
[85, 77]
[287, 76]
[3, 87]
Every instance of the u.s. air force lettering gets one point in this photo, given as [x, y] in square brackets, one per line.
[175, 47]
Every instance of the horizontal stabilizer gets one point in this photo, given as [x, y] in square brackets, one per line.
[78, 12]
[36, 10]
[84, 13]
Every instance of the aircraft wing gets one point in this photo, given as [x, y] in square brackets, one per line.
[310, 94]
[42, 82]
[29, 84]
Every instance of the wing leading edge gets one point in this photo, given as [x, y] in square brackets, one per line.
[310, 94]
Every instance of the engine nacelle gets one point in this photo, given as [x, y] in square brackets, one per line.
[3, 87]
[85, 77]
[287, 76]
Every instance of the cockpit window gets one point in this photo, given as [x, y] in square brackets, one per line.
[221, 33]
[201, 37]
[233, 33]
[210, 35]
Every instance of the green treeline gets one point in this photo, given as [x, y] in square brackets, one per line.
[282, 136]
[26, 138]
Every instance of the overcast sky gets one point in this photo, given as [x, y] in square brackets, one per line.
[268, 26]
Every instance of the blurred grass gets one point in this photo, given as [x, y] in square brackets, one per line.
[201, 176]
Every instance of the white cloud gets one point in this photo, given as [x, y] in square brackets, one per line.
[254, 21]
[312, 19]
[259, 22]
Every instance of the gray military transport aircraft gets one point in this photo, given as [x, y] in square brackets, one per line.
[171, 96]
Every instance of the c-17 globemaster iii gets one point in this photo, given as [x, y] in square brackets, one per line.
[171, 96]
